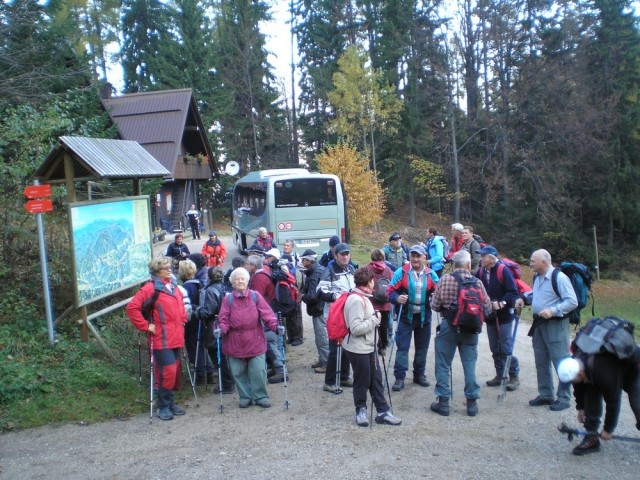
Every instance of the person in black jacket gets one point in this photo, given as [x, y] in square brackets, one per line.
[315, 307]
[501, 287]
[598, 377]
[178, 251]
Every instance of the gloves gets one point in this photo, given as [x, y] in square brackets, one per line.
[217, 333]
[280, 330]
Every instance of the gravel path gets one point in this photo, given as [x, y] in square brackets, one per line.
[317, 436]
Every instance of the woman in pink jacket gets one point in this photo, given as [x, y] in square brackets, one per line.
[241, 316]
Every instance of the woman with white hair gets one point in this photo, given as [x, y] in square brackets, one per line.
[241, 316]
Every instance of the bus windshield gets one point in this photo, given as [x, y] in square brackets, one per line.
[305, 192]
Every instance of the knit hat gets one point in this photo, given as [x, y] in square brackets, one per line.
[212, 233]
[333, 241]
[568, 369]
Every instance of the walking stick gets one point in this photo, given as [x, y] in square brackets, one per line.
[393, 342]
[219, 370]
[195, 366]
[338, 366]
[284, 363]
[507, 364]
[571, 432]
[192, 376]
[139, 360]
[151, 381]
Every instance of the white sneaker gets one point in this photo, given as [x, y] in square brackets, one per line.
[388, 418]
[362, 418]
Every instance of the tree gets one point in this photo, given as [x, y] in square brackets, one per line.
[365, 196]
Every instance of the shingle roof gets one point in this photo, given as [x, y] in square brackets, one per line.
[100, 158]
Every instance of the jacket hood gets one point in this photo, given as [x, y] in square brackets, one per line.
[377, 266]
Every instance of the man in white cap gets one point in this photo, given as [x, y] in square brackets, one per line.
[597, 377]
[411, 287]
[315, 307]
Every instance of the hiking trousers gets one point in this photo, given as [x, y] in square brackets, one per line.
[550, 346]
[422, 338]
[446, 342]
[367, 377]
[250, 376]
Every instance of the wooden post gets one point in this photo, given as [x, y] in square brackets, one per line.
[595, 244]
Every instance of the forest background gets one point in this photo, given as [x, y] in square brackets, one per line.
[521, 118]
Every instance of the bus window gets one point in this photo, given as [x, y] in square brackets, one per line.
[305, 192]
[251, 199]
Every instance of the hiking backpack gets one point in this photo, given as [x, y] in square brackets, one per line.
[479, 239]
[336, 323]
[466, 313]
[380, 290]
[287, 296]
[610, 334]
[516, 271]
[581, 280]
[446, 248]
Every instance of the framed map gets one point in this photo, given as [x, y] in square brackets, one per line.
[111, 246]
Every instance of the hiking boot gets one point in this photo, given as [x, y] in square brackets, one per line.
[264, 403]
[296, 342]
[317, 364]
[320, 369]
[513, 383]
[271, 372]
[177, 411]
[201, 379]
[441, 406]
[387, 418]
[362, 419]
[398, 385]
[558, 406]
[590, 444]
[277, 378]
[539, 402]
[165, 413]
[421, 380]
[331, 389]
[347, 382]
[211, 378]
[494, 382]
[472, 407]
[225, 391]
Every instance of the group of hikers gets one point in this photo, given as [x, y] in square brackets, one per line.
[239, 321]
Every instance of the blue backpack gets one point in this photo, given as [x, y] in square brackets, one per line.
[581, 281]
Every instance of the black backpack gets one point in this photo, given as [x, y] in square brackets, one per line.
[466, 313]
[287, 295]
[608, 335]
[380, 290]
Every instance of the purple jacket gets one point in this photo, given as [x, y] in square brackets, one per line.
[242, 331]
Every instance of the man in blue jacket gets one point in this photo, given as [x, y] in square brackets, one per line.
[501, 287]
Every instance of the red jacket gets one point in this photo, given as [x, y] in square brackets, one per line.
[214, 252]
[456, 245]
[261, 282]
[241, 324]
[169, 315]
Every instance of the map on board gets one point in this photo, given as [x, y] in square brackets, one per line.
[111, 246]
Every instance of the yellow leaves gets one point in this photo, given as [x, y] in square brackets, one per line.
[365, 196]
[429, 177]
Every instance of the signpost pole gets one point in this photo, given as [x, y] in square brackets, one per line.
[45, 274]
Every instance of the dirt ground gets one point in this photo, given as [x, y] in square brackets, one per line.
[316, 437]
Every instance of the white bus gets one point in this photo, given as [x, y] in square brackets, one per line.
[308, 208]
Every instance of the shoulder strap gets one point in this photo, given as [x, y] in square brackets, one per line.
[554, 281]
[500, 273]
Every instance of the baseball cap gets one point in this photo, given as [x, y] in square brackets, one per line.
[395, 236]
[342, 248]
[419, 249]
[309, 255]
[274, 252]
[568, 369]
[488, 250]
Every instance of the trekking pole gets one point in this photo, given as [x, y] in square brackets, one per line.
[507, 364]
[284, 363]
[338, 367]
[195, 366]
[393, 342]
[192, 377]
[375, 355]
[219, 369]
[151, 381]
[139, 360]
[571, 432]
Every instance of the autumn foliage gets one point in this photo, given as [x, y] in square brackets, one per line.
[365, 195]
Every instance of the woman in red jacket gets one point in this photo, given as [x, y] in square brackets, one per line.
[214, 250]
[158, 309]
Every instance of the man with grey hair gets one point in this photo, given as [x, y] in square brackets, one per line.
[448, 338]
[315, 307]
[456, 239]
[550, 328]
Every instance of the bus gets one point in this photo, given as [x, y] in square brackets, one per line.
[308, 208]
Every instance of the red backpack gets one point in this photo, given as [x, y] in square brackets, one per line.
[467, 311]
[336, 323]
[515, 269]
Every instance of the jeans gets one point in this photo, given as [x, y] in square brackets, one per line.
[550, 346]
[367, 377]
[321, 338]
[422, 338]
[274, 353]
[250, 376]
[500, 337]
[446, 342]
[330, 375]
